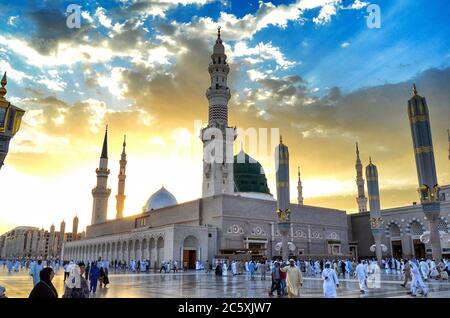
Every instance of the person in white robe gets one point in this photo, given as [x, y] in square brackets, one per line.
[330, 281]
[361, 275]
[434, 273]
[247, 271]
[224, 269]
[308, 268]
[294, 279]
[424, 269]
[35, 269]
[233, 268]
[417, 282]
[317, 268]
[386, 267]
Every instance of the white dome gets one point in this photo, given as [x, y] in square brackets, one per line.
[160, 199]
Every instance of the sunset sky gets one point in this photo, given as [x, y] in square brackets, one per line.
[311, 68]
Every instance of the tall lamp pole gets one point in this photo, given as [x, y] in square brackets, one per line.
[10, 120]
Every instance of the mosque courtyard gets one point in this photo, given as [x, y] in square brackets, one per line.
[202, 285]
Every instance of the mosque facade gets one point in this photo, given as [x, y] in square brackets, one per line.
[236, 215]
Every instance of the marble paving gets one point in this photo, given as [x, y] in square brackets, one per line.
[201, 285]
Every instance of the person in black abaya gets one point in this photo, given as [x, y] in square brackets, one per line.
[45, 288]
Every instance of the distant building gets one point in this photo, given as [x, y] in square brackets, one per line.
[27, 241]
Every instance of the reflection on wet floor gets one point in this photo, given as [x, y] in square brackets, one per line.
[201, 285]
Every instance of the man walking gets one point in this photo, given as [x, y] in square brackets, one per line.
[330, 281]
[294, 279]
[407, 273]
[361, 274]
[275, 279]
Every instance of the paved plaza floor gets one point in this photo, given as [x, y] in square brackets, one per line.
[201, 285]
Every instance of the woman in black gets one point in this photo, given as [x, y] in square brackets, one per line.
[45, 288]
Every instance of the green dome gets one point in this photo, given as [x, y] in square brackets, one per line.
[249, 175]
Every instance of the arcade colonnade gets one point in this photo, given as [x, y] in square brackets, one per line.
[156, 245]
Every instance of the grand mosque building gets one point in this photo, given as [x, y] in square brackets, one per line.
[235, 217]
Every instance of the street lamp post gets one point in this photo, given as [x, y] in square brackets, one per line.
[10, 120]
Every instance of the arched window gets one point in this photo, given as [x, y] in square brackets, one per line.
[394, 230]
[416, 228]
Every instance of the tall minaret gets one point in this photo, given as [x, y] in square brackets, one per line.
[283, 195]
[373, 191]
[217, 137]
[101, 192]
[299, 189]
[120, 197]
[419, 120]
[75, 228]
[361, 199]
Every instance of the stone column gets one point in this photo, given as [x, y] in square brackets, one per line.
[283, 196]
[374, 204]
[419, 120]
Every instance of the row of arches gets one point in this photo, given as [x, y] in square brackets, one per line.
[414, 227]
[134, 249]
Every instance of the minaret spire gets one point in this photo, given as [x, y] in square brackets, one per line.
[299, 189]
[218, 175]
[101, 192]
[361, 199]
[105, 145]
[120, 197]
[414, 89]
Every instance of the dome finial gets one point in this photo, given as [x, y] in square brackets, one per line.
[414, 89]
[3, 88]
[281, 139]
[370, 159]
[218, 32]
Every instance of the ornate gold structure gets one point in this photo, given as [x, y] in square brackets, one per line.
[283, 216]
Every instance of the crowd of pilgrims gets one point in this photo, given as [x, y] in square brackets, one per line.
[286, 276]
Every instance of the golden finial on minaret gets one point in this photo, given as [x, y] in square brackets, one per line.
[3, 88]
[124, 141]
[414, 89]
